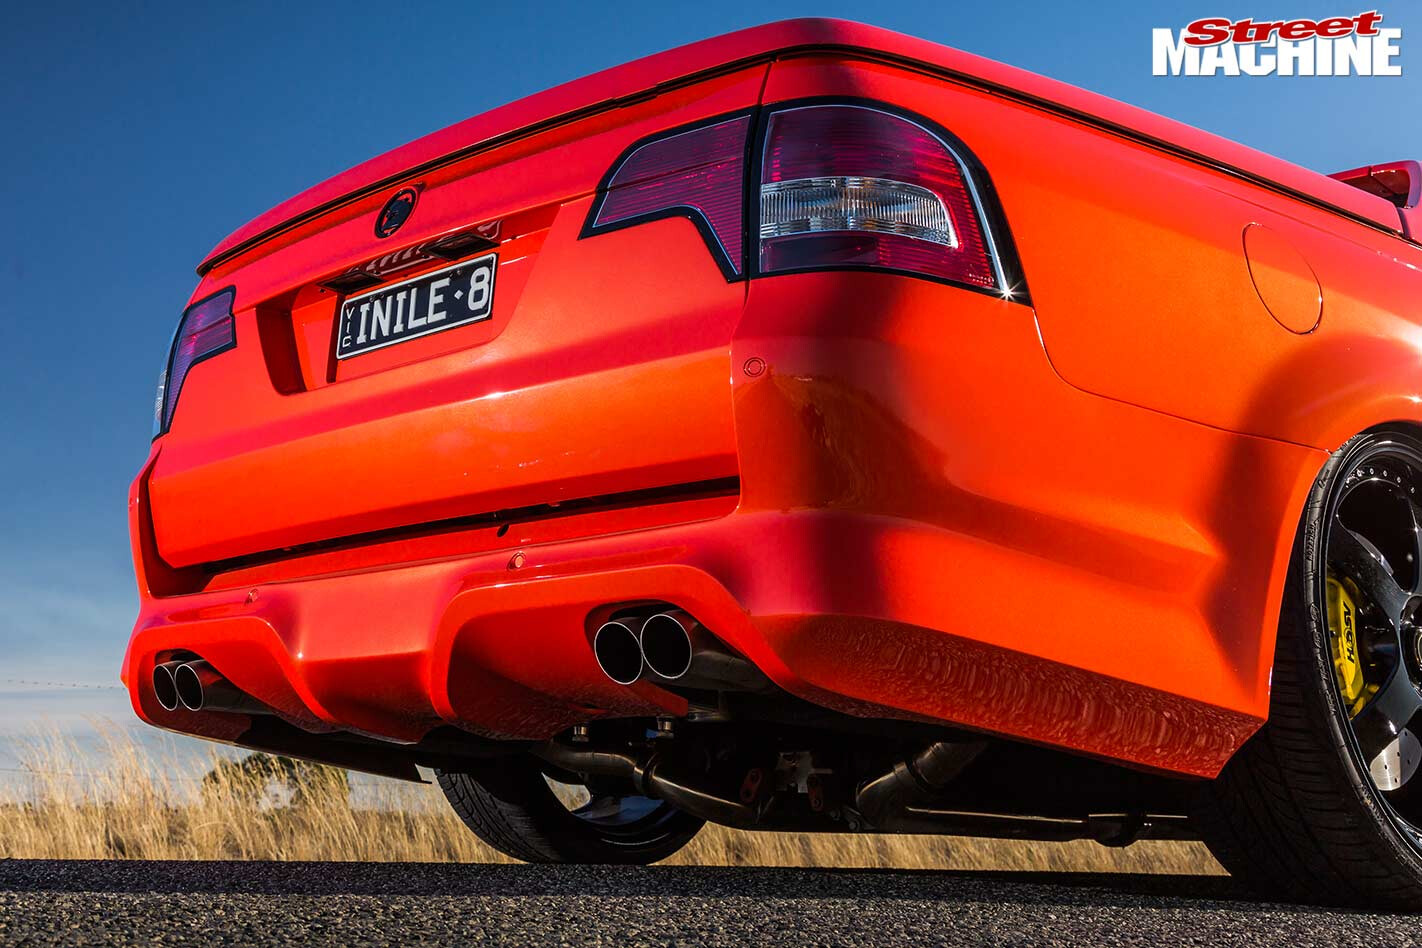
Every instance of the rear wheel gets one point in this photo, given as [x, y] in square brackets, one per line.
[1324, 804]
[514, 808]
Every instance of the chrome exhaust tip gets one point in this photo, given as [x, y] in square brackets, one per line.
[617, 647]
[666, 644]
[678, 650]
[188, 682]
[203, 688]
[165, 687]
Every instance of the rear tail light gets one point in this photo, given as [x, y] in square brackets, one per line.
[205, 330]
[696, 173]
[833, 186]
[850, 186]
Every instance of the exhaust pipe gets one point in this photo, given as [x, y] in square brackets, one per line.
[678, 650]
[165, 688]
[201, 687]
[657, 777]
[887, 801]
[617, 646]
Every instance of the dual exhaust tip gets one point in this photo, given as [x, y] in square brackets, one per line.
[672, 648]
[661, 644]
[197, 686]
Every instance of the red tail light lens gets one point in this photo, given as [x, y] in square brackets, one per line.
[697, 173]
[848, 186]
[205, 330]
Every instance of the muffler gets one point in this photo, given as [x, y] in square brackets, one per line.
[200, 687]
[617, 646]
[165, 688]
[902, 801]
[679, 650]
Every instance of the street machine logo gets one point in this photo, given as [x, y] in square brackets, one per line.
[1335, 46]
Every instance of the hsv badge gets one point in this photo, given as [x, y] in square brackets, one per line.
[396, 212]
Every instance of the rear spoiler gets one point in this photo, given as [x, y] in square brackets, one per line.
[1399, 182]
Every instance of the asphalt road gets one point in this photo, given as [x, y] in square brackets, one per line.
[289, 904]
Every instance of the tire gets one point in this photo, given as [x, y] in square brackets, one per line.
[511, 807]
[1297, 814]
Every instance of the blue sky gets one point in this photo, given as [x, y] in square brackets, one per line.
[138, 135]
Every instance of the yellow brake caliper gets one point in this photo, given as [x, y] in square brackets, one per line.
[1343, 638]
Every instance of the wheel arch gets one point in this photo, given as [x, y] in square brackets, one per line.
[1293, 526]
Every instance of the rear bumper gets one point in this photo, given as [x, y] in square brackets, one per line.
[505, 652]
[930, 525]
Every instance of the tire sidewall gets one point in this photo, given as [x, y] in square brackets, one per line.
[548, 831]
[1305, 607]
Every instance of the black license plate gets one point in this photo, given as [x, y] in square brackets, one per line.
[432, 302]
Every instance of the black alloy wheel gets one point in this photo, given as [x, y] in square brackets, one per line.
[1324, 804]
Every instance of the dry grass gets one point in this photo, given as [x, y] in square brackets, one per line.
[129, 810]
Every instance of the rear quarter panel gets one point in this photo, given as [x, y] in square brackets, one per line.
[1142, 297]
[1136, 266]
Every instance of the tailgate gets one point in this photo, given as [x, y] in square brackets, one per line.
[601, 367]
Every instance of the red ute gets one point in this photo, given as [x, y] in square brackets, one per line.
[814, 428]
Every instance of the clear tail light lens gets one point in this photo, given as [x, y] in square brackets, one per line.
[698, 173]
[851, 186]
[206, 329]
[818, 205]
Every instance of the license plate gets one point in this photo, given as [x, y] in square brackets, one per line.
[430, 303]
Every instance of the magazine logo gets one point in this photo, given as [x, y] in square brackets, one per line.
[1336, 46]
